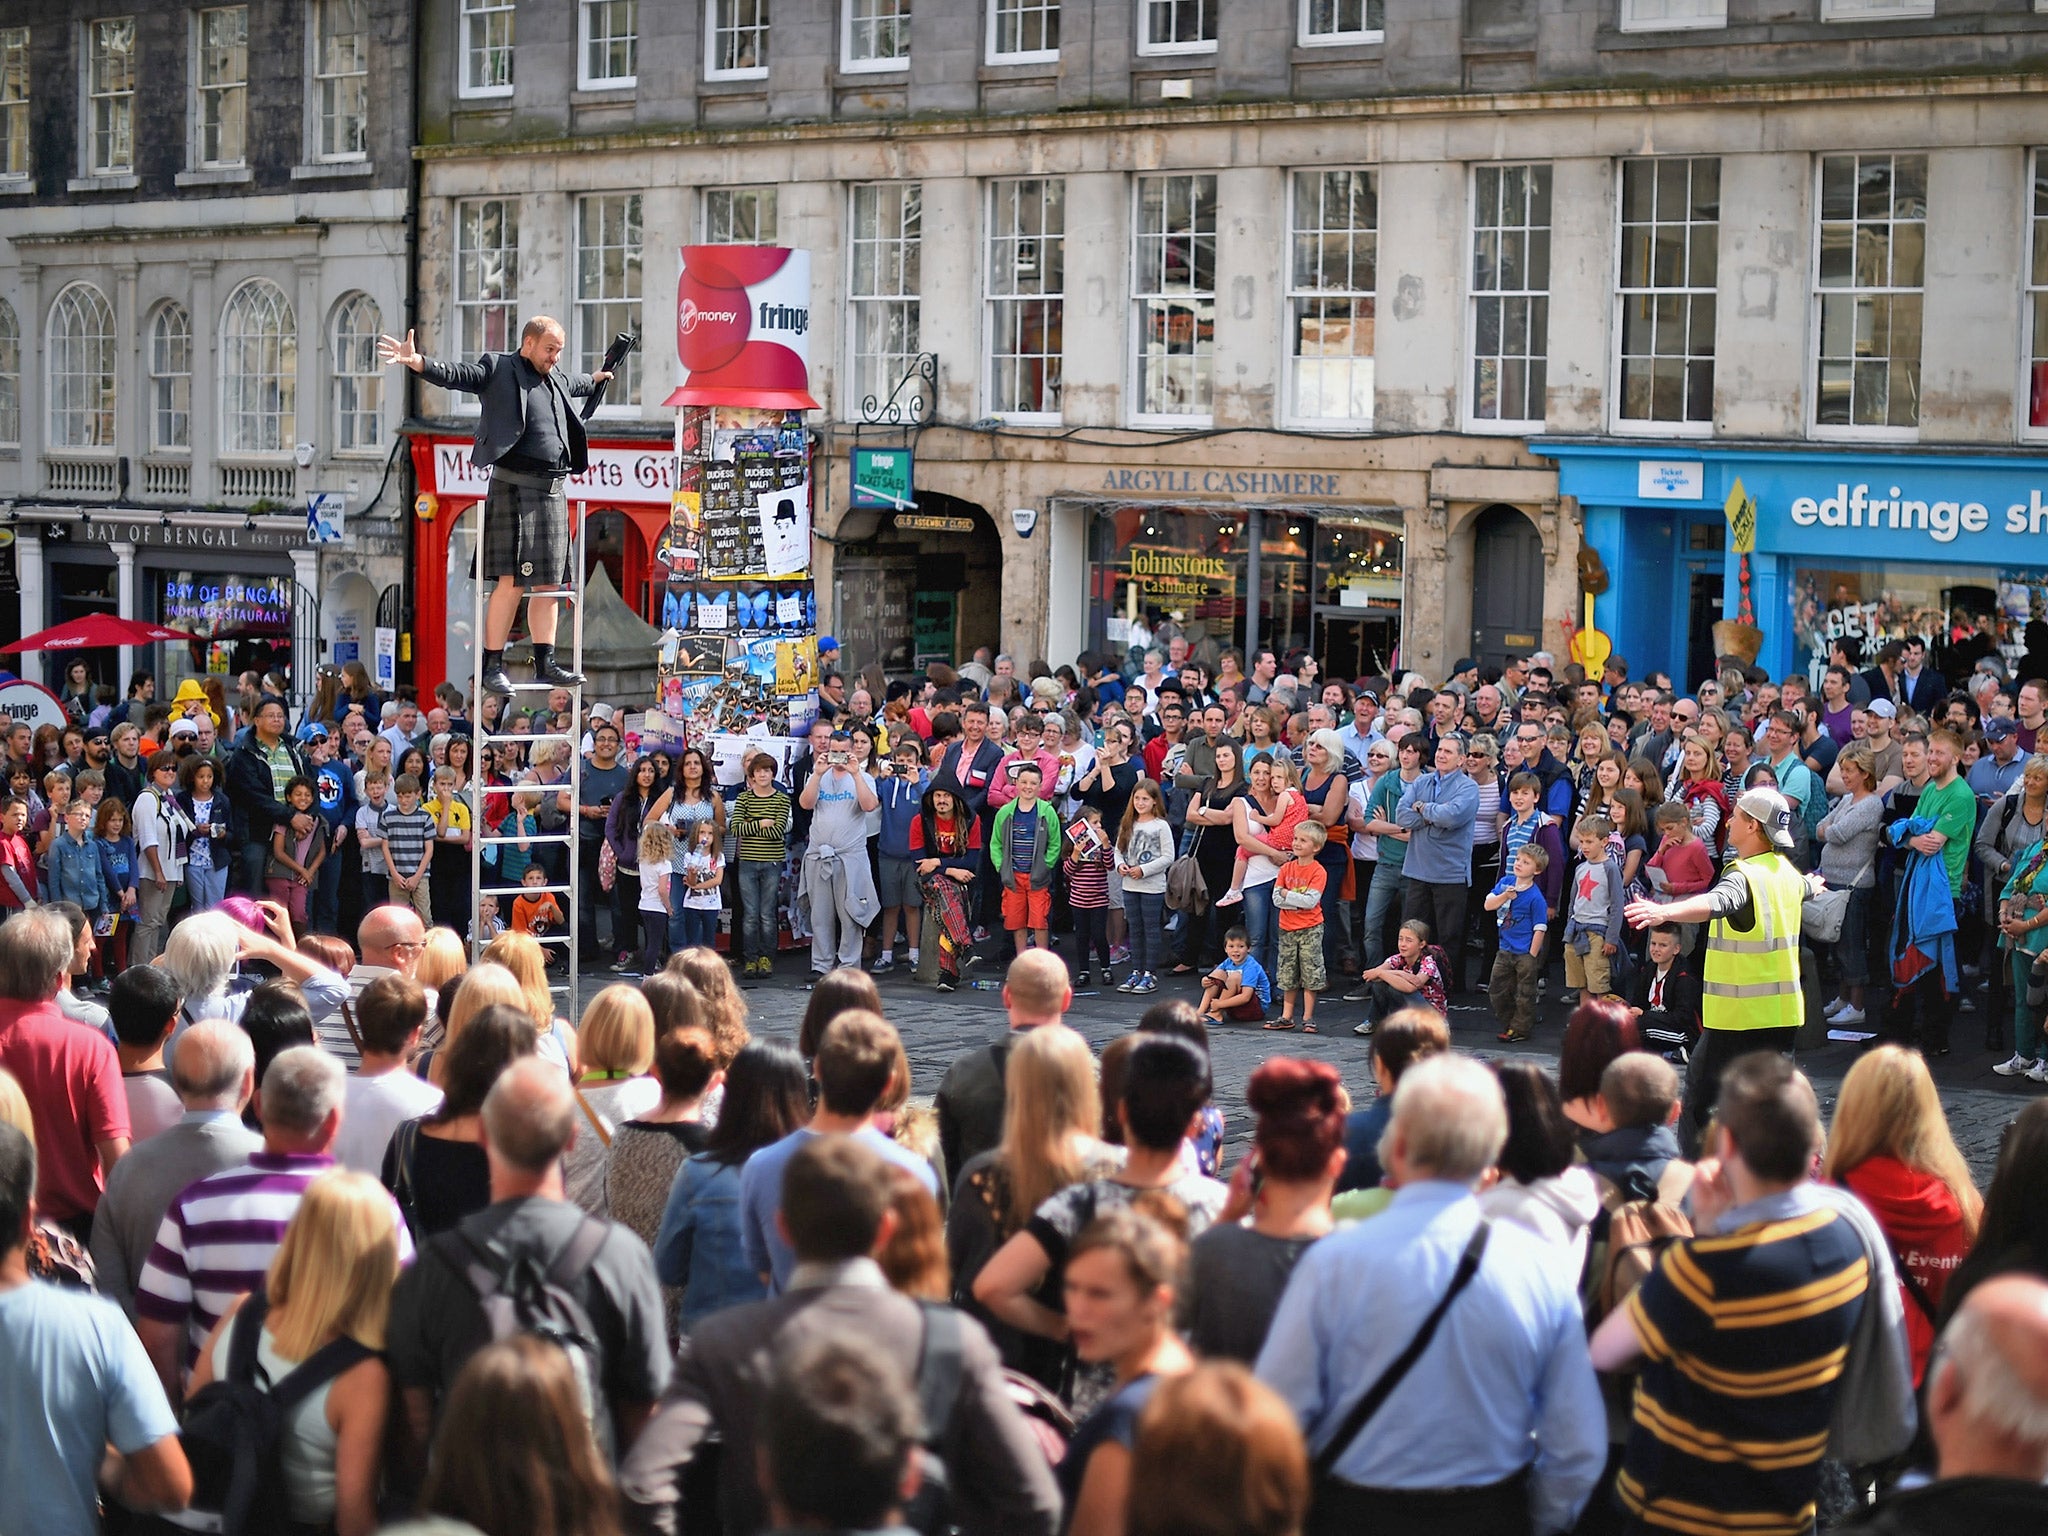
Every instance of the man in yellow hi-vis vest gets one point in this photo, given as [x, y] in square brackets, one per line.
[1750, 996]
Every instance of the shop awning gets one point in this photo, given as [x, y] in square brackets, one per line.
[95, 630]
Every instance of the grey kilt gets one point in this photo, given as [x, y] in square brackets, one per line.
[526, 533]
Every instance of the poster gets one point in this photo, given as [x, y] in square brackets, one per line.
[785, 517]
[386, 668]
[796, 665]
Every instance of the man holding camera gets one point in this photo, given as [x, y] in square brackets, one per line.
[836, 879]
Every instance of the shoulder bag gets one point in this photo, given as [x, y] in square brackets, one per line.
[1822, 914]
[1376, 1395]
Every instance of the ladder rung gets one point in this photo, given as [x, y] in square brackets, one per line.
[544, 839]
[495, 738]
[543, 687]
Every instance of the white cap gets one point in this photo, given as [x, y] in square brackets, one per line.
[1771, 811]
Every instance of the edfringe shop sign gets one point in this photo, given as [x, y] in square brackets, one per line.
[1889, 509]
[616, 476]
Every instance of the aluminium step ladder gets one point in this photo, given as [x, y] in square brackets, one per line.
[568, 892]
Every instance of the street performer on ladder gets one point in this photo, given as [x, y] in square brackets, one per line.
[531, 440]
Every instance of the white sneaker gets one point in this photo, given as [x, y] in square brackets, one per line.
[1847, 1016]
[2038, 1073]
[1834, 1008]
[2018, 1066]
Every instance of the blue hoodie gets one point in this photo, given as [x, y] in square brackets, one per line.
[900, 798]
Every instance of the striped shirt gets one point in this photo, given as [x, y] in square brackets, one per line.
[218, 1238]
[763, 825]
[1744, 1338]
[406, 835]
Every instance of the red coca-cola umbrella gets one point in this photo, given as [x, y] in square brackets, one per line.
[95, 630]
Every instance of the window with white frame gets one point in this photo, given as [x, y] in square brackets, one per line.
[739, 216]
[1027, 278]
[259, 371]
[487, 47]
[10, 377]
[486, 276]
[1510, 320]
[1333, 271]
[610, 44]
[1325, 23]
[223, 84]
[170, 380]
[885, 284]
[608, 285]
[2037, 299]
[13, 102]
[1665, 290]
[358, 377]
[81, 369]
[1871, 253]
[1173, 290]
[1672, 15]
[1023, 31]
[1177, 26]
[110, 96]
[736, 40]
[341, 79]
[1874, 10]
[874, 35]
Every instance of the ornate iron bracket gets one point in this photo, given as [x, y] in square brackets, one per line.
[922, 380]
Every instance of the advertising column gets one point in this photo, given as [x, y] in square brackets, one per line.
[739, 654]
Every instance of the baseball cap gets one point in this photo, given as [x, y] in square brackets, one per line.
[1367, 693]
[1998, 728]
[1884, 709]
[183, 727]
[1769, 810]
[827, 643]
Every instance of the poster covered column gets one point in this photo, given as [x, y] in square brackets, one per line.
[739, 653]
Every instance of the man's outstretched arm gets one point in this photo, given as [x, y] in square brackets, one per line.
[467, 377]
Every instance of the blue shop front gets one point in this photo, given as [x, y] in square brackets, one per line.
[1862, 546]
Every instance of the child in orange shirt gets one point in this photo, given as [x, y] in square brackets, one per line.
[1298, 894]
[537, 911]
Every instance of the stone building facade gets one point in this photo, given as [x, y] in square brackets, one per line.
[1354, 288]
[203, 226]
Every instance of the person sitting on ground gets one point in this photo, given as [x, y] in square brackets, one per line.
[1238, 989]
[834, 1212]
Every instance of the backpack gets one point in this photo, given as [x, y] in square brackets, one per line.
[234, 1426]
[1638, 1232]
[941, 1369]
[520, 1294]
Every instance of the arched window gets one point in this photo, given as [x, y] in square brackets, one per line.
[170, 379]
[259, 371]
[358, 377]
[81, 369]
[10, 377]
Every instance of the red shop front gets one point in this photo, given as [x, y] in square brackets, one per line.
[624, 494]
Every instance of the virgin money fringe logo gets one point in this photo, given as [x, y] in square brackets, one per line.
[689, 316]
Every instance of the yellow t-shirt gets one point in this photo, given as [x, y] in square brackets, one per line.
[458, 819]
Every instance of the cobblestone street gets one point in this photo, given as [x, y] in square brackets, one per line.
[937, 1027]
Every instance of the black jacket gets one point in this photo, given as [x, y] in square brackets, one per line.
[494, 379]
[251, 792]
[1963, 1506]
[1681, 993]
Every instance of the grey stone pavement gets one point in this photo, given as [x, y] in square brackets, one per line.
[937, 1027]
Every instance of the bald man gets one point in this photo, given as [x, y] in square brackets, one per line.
[389, 939]
[529, 1120]
[1987, 1409]
[1035, 991]
[214, 1078]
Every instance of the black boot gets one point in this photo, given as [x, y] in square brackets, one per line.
[546, 671]
[494, 678]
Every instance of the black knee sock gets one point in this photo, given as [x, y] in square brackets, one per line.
[543, 657]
